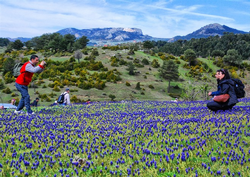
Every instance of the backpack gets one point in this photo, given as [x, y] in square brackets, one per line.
[16, 69]
[239, 88]
[60, 99]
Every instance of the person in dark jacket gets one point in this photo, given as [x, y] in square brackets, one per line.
[225, 86]
[35, 102]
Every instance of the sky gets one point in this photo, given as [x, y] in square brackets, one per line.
[157, 18]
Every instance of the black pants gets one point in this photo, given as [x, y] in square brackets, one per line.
[215, 106]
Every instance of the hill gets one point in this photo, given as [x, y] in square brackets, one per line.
[152, 87]
[208, 30]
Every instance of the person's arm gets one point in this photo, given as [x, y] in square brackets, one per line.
[216, 93]
[32, 69]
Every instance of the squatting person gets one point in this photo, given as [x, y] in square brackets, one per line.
[225, 86]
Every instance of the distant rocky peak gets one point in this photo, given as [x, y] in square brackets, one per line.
[215, 26]
[133, 30]
[115, 34]
[208, 30]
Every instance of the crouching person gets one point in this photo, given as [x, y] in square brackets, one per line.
[225, 86]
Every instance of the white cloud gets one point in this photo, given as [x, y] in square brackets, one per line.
[156, 18]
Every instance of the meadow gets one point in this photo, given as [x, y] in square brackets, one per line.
[127, 138]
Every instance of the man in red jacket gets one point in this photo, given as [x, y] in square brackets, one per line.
[23, 80]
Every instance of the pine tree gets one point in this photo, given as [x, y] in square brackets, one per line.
[131, 68]
[169, 71]
[138, 86]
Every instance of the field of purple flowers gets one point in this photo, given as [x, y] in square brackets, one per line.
[148, 138]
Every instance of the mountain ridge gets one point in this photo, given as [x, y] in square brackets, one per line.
[111, 35]
[213, 29]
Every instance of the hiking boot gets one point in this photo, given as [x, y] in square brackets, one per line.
[18, 112]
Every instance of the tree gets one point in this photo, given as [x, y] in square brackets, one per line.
[131, 68]
[4, 42]
[131, 52]
[17, 45]
[217, 53]
[138, 86]
[169, 71]
[232, 57]
[67, 42]
[112, 97]
[8, 65]
[190, 56]
[28, 44]
[145, 61]
[1, 84]
[155, 63]
[81, 43]
[78, 55]
[147, 45]
[55, 43]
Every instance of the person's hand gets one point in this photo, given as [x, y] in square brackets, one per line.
[43, 63]
[209, 93]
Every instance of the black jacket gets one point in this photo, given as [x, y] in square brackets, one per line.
[34, 103]
[227, 86]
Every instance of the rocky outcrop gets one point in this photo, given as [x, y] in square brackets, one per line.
[112, 34]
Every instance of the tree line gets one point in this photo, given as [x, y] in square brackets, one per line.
[54, 42]
[211, 46]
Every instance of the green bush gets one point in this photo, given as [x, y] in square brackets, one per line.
[151, 86]
[1, 84]
[174, 95]
[13, 95]
[74, 99]
[155, 64]
[127, 83]
[145, 61]
[6, 90]
[177, 62]
[112, 97]
[56, 89]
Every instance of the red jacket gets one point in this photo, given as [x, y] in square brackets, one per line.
[27, 71]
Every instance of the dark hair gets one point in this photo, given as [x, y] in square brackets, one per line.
[37, 98]
[33, 57]
[225, 72]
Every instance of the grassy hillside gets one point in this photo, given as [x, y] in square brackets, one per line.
[146, 75]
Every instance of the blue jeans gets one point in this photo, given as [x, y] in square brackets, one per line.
[25, 100]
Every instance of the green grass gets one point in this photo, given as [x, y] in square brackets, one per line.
[59, 58]
[209, 63]
[246, 61]
[2, 49]
[147, 76]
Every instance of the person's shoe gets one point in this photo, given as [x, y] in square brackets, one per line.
[32, 113]
[18, 112]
